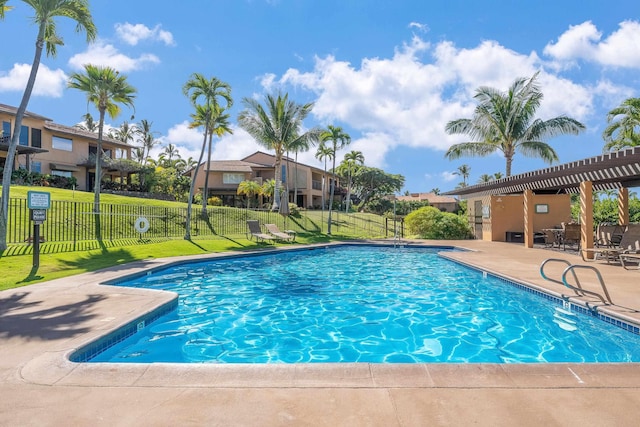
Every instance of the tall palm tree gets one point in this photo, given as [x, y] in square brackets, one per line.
[249, 189]
[505, 122]
[338, 139]
[324, 152]
[276, 127]
[351, 159]
[45, 14]
[464, 171]
[105, 88]
[218, 126]
[210, 91]
[623, 128]
[169, 152]
[125, 133]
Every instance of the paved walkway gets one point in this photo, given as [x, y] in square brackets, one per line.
[41, 324]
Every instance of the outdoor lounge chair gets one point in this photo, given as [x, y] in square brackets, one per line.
[629, 245]
[273, 229]
[255, 231]
[571, 235]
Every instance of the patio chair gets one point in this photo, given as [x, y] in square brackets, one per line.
[571, 235]
[275, 231]
[256, 231]
[629, 245]
[608, 235]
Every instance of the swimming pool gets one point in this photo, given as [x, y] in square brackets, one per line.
[360, 304]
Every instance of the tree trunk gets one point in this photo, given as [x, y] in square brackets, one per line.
[333, 188]
[278, 178]
[15, 138]
[187, 224]
[205, 192]
[295, 181]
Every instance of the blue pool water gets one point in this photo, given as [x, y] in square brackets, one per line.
[361, 304]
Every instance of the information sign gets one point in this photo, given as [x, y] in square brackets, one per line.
[38, 200]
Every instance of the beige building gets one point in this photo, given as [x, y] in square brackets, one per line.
[444, 203]
[225, 175]
[50, 148]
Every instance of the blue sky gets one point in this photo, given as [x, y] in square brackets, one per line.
[391, 73]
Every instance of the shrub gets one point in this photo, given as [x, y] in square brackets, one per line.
[214, 201]
[430, 223]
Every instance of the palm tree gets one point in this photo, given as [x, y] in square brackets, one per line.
[268, 188]
[351, 159]
[249, 189]
[219, 125]
[464, 171]
[88, 123]
[45, 14]
[339, 139]
[435, 191]
[484, 178]
[498, 175]
[146, 137]
[198, 87]
[625, 131]
[324, 152]
[169, 152]
[276, 127]
[125, 133]
[505, 122]
[105, 89]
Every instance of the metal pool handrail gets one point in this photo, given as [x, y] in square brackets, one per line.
[578, 289]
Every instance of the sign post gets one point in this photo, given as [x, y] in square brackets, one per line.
[38, 202]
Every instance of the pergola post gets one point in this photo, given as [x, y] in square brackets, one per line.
[586, 216]
[528, 218]
[623, 206]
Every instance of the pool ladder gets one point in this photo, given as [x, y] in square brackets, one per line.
[577, 287]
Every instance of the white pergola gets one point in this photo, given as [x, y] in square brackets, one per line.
[618, 170]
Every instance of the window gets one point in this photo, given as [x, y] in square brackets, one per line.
[24, 136]
[61, 143]
[67, 174]
[6, 129]
[36, 167]
[232, 178]
[36, 138]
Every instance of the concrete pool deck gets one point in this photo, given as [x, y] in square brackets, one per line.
[41, 324]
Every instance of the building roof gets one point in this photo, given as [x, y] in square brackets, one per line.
[74, 131]
[609, 171]
[272, 160]
[4, 108]
[231, 166]
[22, 149]
[432, 198]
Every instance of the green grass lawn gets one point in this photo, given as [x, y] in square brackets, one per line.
[16, 264]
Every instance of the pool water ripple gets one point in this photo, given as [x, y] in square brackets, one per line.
[360, 304]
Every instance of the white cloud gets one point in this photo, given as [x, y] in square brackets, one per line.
[449, 176]
[585, 42]
[134, 33]
[405, 100]
[101, 53]
[189, 143]
[49, 82]
[423, 28]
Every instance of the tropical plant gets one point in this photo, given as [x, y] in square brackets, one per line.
[4, 8]
[125, 133]
[370, 184]
[146, 137]
[45, 14]
[324, 152]
[339, 139]
[197, 88]
[105, 88]
[169, 153]
[623, 128]
[351, 160]
[464, 171]
[430, 223]
[218, 126]
[498, 175]
[484, 178]
[505, 122]
[297, 146]
[250, 189]
[276, 127]
[87, 123]
[435, 191]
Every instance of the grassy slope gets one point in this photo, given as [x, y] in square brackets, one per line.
[17, 270]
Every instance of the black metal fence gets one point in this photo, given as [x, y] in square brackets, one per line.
[74, 222]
